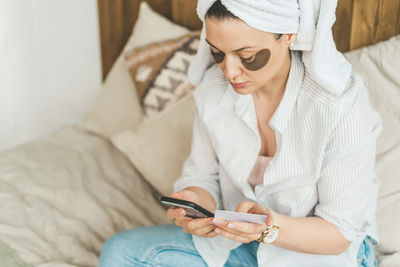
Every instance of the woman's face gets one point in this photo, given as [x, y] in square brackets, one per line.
[249, 58]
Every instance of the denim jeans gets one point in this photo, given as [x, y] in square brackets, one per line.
[366, 254]
[169, 245]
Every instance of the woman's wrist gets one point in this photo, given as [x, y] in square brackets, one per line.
[273, 220]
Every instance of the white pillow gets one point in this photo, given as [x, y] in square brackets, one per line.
[379, 65]
[117, 106]
[161, 144]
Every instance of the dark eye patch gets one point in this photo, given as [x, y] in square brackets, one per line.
[218, 56]
[261, 59]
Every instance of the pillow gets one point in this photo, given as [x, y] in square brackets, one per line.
[159, 71]
[160, 145]
[117, 106]
[379, 65]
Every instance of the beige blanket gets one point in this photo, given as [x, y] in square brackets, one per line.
[63, 195]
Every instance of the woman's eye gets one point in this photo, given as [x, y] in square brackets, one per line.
[247, 59]
[218, 56]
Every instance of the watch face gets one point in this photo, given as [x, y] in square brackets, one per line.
[271, 236]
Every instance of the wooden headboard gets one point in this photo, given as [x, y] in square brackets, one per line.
[358, 23]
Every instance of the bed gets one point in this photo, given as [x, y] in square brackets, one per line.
[63, 195]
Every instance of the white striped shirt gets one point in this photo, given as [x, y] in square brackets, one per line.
[323, 165]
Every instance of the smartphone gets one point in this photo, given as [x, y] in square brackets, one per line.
[192, 209]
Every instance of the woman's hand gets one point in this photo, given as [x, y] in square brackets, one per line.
[241, 231]
[200, 227]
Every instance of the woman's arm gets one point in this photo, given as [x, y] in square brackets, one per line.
[311, 235]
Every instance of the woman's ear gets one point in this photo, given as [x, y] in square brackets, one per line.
[288, 39]
[291, 38]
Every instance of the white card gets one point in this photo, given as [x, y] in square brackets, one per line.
[233, 216]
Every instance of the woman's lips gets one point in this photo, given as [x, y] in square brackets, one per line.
[239, 85]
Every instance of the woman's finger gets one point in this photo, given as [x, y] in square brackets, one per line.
[258, 209]
[201, 227]
[195, 224]
[240, 228]
[211, 234]
[182, 221]
[245, 228]
[255, 234]
[238, 238]
[254, 208]
[245, 206]
[204, 230]
[173, 213]
[186, 195]
[178, 195]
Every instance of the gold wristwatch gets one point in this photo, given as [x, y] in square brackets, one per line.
[269, 235]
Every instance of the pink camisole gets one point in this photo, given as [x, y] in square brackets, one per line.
[257, 174]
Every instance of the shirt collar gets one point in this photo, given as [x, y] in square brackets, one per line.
[245, 103]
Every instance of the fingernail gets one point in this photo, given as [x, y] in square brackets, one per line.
[230, 225]
[217, 221]
[181, 212]
[217, 230]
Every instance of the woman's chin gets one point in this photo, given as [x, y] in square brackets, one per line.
[244, 91]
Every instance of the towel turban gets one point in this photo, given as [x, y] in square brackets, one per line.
[311, 20]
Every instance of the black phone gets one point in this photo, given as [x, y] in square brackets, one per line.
[192, 209]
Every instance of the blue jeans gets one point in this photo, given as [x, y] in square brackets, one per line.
[366, 254]
[169, 245]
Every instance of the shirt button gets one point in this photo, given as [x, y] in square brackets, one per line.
[360, 260]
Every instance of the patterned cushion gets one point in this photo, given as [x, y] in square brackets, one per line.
[117, 107]
[159, 71]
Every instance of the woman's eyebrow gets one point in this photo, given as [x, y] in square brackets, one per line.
[237, 50]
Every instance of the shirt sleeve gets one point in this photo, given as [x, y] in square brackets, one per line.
[348, 173]
[201, 168]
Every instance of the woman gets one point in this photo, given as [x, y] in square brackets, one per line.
[284, 129]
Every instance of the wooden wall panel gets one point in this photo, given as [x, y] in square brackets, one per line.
[184, 13]
[398, 22]
[341, 29]
[358, 22]
[373, 21]
[388, 16]
[365, 20]
[117, 18]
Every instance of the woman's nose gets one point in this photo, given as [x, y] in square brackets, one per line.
[231, 69]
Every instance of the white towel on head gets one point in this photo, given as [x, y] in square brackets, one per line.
[312, 20]
[327, 66]
[261, 15]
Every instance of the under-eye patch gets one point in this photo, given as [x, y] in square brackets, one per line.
[218, 56]
[256, 62]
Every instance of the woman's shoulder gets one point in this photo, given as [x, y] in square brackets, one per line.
[341, 103]
[350, 111]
